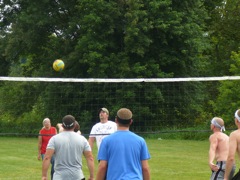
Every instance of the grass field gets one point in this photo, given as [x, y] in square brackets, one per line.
[170, 159]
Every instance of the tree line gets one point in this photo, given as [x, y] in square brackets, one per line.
[120, 39]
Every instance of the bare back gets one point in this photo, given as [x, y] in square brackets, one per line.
[235, 140]
[221, 142]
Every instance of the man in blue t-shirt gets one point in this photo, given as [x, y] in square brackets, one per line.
[123, 154]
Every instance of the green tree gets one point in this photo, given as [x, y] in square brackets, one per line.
[228, 101]
[224, 33]
[109, 39]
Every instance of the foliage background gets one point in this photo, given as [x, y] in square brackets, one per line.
[118, 39]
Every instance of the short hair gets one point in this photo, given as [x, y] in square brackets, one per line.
[46, 119]
[77, 127]
[219, 121]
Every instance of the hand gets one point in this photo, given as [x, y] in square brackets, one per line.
[90, 178]
[39, 157]
[44, 178]
[213, 167]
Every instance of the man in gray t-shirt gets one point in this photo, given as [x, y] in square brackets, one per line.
[68, 148]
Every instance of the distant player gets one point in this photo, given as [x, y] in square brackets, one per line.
[219, 146]
[76, 129]
[45, 135]
[102, 128]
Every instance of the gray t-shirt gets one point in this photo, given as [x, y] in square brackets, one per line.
[69, 147]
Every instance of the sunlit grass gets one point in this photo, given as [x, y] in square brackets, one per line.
[18, 159]
[170, 159]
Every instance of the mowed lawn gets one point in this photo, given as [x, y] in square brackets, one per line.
[170, 159]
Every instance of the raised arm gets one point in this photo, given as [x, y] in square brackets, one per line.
[60, 128]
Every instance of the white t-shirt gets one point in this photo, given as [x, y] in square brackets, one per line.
[102, 128]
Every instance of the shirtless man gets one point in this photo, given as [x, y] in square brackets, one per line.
[219, 145]
[234, 146]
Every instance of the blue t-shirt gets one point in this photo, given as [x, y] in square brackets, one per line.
[124, 151]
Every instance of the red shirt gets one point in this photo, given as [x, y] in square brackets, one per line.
[48, 134]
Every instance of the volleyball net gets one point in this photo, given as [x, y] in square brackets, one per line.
[158, 104]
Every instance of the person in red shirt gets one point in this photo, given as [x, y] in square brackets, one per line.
[45, 135]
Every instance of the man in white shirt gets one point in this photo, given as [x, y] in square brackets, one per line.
[102, 128]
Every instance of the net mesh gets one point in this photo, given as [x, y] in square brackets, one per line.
[157, 104]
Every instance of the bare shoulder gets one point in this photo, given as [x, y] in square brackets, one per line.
[235, 134]
[212, 137]
[225, 135]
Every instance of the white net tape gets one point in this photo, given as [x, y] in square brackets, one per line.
[132, 80]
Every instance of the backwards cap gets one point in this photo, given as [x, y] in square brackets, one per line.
[124, 116]
[68, 122]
